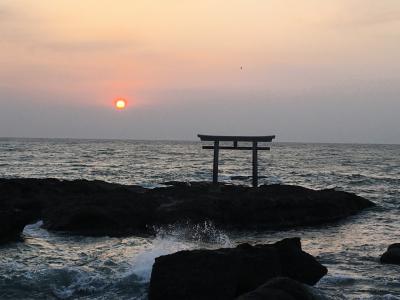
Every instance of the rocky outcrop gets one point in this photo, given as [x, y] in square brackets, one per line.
[83, 207]
[392, 255]
[12, 223]
[100, 208]
[229, 272]
[267, 207]
[282, 288]
[16, 211]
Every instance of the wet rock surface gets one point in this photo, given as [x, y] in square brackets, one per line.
[98, 208]
[230, 272]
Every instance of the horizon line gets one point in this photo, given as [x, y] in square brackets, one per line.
[186, 140]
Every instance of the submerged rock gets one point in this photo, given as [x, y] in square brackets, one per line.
[100, 208]
[392, 255]
[282, 288]
[229, 272]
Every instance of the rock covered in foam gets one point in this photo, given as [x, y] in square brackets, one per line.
[229, 272]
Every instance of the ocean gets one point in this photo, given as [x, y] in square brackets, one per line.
[52, 265]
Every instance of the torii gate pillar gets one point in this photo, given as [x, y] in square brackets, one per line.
[235, 139]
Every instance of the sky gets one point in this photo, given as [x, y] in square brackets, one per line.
[304, 70]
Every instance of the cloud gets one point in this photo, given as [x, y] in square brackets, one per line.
[84, 46]
[35, 40]
[5, 13]
[368, 13]
[29, 31]
[377, 18]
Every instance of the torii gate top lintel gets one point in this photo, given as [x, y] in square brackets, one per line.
[235, 139]
[238, 138]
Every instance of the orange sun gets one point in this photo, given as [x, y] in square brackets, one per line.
[120, 103]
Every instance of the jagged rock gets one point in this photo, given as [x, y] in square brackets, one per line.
[100, 208]
[392, 255]
[229, 272]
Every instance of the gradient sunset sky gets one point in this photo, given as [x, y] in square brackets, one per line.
[305, 70]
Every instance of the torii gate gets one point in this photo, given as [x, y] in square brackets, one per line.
[235, 139]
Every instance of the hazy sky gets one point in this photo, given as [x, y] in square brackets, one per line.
[312, 70]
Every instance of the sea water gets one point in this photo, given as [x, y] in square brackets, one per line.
[49, 265]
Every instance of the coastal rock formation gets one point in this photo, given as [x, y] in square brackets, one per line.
[99, 208]
[94, 208]
[392, 255]
[282, 288]
[229, 272]
[266, 207]
[16, 211]
[12, 223]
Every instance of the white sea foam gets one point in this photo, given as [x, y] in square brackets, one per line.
[175, 238]
[31, 229]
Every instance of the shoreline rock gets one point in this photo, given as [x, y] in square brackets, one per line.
[392, 255]
[227, 273]
[12, 223]
[239, 207]
[98, 208]
[282, 288]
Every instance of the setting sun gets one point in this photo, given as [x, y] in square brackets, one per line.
[120, 104]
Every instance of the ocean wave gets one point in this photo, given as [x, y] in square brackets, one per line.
[338, 280]
[380, 297]
[52, 265]
[177, 237]
[372, 178]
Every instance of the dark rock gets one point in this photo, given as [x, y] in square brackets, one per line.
[177, 183]
[79, 206]
[12, 223]
[281, 288]
[266, 207]
[101, 208]
[392, 255]
[229, 272]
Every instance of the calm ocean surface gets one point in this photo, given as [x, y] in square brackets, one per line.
[57, 266]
